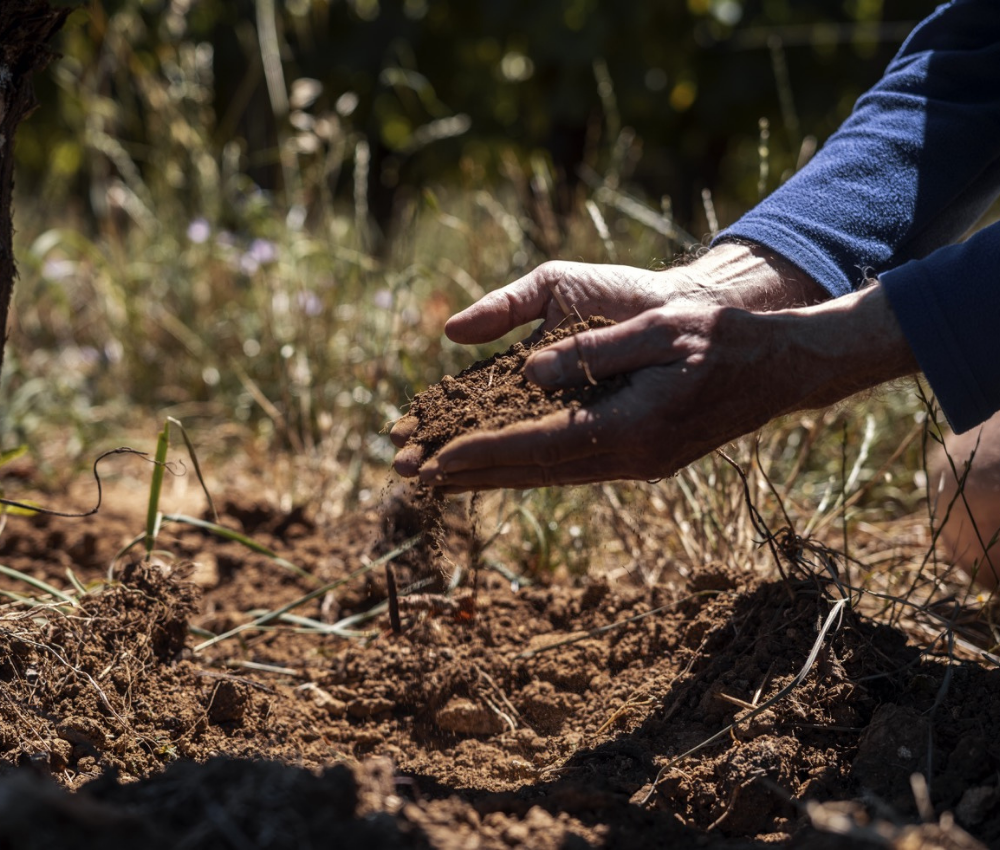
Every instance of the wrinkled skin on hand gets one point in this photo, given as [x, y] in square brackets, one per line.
[690, 369]
[700, 376]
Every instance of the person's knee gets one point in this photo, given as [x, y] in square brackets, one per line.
[969, 521]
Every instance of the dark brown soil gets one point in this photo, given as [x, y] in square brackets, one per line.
[494, 392]
[529, 719]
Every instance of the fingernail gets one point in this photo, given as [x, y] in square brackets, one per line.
[546, 368]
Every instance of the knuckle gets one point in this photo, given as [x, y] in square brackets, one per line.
[660, 319]
[553, 270]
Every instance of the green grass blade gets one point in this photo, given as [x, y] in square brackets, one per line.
[13, 454]
[121, 553]
[38, 584]
[156, 485]
[75, 581]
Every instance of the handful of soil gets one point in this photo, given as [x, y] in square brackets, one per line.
[494, 392]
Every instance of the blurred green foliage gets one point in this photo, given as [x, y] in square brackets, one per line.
[444, 90]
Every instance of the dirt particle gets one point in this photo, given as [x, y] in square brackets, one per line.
[975, 804]
[229, 702]
[893, 747]
[462, 716]
[60, 754]
[369, 706]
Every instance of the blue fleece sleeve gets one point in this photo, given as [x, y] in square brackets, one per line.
[949, 308]
[912, 169]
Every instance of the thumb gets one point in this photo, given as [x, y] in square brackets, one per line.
[649, 339]
[509, 307]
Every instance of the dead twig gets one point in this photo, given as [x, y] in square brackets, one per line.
[390, 583]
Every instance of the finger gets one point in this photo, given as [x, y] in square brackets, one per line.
[509, 307]
[403, 429]
[610, 467]
[408, 461]
[561, 437]
[649, 339]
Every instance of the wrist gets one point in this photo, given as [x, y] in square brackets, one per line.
[749, 277]
[842, 347]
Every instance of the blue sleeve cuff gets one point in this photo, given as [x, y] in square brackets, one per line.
[948, 306]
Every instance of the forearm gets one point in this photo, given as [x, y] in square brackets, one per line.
[888, 186]
[829, 352]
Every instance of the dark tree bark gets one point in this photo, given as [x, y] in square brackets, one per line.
[25, 28]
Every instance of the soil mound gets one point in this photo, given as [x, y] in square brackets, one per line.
[539, 718]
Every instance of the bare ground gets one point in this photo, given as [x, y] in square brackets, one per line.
[501, 716]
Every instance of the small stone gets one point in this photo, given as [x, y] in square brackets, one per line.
[83, 731]
[323, 699]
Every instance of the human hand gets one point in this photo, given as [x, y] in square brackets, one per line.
[699, 377]
[690, 390]
[727, 276]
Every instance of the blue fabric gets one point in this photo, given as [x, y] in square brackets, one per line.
[912, 169]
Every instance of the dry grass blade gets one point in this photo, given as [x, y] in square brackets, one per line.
[194, 462]
[35, 509]
[834, 614]
[271, 616]
[309, 625]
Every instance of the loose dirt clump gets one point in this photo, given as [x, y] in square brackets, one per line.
[494, 392]
[537, 719]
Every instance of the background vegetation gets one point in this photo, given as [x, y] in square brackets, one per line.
[257, 216]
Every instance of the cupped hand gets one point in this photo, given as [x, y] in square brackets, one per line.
[698, 378]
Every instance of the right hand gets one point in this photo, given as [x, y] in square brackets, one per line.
[547, 292]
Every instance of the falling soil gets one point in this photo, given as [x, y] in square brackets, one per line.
[538, 718]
